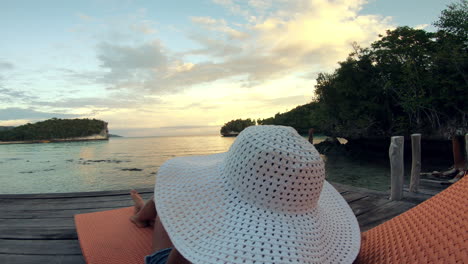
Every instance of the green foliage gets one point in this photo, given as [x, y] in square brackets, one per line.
[54, 129]
[410, 80]
[454, 19]
[3, 128]
[236, 126]
[302, 118]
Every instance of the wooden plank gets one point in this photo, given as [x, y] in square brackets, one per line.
[72, 206]
[34, 259]
[52, 213]
[34, 222]
[341, 188]
[351, 197]
[382, 213]
[41, 233]
[72, 200]
[36, 208]
[435, 184]
[426, 191]
[415, 197]
[367, 204]
[37, 204]
[51, 223]
[40, 247]
[72, 194]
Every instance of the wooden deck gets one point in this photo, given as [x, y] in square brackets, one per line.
[39, 228]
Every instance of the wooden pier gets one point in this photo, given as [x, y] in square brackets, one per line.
[39, 228]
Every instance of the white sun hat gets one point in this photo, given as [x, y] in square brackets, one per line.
[264, 201]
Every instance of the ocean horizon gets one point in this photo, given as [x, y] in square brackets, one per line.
[132, 162]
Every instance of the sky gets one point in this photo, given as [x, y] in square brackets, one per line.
[181, 67]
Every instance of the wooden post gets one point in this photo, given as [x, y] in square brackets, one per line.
[458, 161]
[466, 151]
[395, 153]
[416, 162]
[311, 136]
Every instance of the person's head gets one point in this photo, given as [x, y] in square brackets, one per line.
[264, 201]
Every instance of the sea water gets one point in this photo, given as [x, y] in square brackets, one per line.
[126, 163]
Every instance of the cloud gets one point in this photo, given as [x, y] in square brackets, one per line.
[5, 65]
[14, 113]
[132, 67]
[85, 17]
[273, 39]
[235, 7]
[147, 68]
[204, 20]
[422, 26]
[213, 47]
[144, 27]
[150, 55]
[9, 95]
[219, 25]
[288, 100]
[279, 38]
[115, 101]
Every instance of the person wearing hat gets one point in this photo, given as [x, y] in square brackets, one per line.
[265, 200]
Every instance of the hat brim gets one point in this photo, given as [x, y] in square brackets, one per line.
[208, 224]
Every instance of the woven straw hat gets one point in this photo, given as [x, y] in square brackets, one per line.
[264, 201]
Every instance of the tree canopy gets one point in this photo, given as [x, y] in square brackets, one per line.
[54, 129]
[302, 118]
[407, 81]
[454, 19]
[234, 127]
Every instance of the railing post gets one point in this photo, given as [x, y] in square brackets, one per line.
[395, 154]
[311, 136]
[416, 162]
[458, 162]
[466, 151]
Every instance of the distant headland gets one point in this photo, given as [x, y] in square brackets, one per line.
[234, 127]
[55, 130]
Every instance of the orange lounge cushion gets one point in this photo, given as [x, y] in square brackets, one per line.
[435, 231]
[110, 237]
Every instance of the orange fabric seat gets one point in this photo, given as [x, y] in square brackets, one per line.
[435, 231]
[109, 237]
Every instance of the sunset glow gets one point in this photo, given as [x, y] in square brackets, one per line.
[183, 67]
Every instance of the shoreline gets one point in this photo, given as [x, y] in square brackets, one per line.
[57, 140]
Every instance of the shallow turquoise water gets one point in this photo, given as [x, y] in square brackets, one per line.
[125, 163]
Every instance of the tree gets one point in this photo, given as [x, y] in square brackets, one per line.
[234, 127]
[407, 81]
[302, 118]
[54, 129]
[454, 20]
[404, 58]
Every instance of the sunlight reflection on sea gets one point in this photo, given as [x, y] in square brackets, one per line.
[125, 163]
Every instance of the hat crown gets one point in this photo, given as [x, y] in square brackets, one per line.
[274, 168]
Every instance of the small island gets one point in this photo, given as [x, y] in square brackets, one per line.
[55, 130]
[234, 127]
